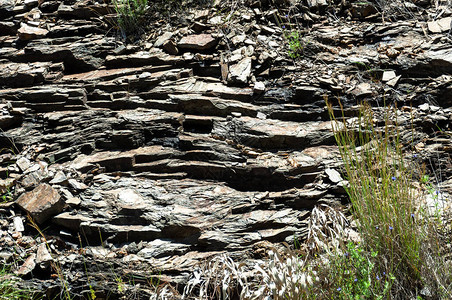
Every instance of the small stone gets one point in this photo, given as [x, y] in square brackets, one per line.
[267, 30]
[317, 3]
[6, 185]
[388, 75]
[43, 257]
[120, 50]
[18, 224]
[7, 5]
[238, 39]
[424, 107]
[393, 82]
[16, 235]
[76, 185]
[163, 38]
[259, 87]
[199, 27]
[273, 44]
[333, 175]
[246, 18]
[261, 115]
[441, 25]
[170, 47]
[59, 178]
[73, 201]
[28, 266]
[362, 89]
[188, 56]
[41, 203]
[31, 3]
[217, 20]
[23, 163]
[144, 75]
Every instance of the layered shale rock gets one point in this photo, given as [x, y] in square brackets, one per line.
[144, 159]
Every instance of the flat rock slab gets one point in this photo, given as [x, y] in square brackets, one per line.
[41, 203]
[27, 32]
[197, 42]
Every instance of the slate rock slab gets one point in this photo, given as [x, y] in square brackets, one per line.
[197, 42]
[41, 203]
[27, 32]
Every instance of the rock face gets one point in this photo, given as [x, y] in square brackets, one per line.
[206, 137]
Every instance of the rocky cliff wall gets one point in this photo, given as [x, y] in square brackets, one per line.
[141, 160]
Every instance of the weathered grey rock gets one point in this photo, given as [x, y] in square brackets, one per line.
[59, 178]
[41, 203]
[6, 185]
[388, 75]
[18, 224]
[20, 75]
[163, 248]
[362, 89]
[259, 87]
[441, 25]
[163, 38]
[43, 257]
[240, 73]
[23, 163]
[6, 7]
[333, 175]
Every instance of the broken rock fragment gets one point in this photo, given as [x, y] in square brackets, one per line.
[441, 25]
[28, 266]
[43, 257]
[240, 72]
[41, 203]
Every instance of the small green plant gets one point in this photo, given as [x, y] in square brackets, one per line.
[8, 286]
[7, 197]
[354, 276]
[296, 44]
[130, 16]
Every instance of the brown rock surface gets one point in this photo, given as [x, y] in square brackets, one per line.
[197, 42]
[41, 203]
[27, 32]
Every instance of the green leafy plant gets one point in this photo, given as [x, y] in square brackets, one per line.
[9, 289]
[295, 43]
[130, 15]
[354, 276]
